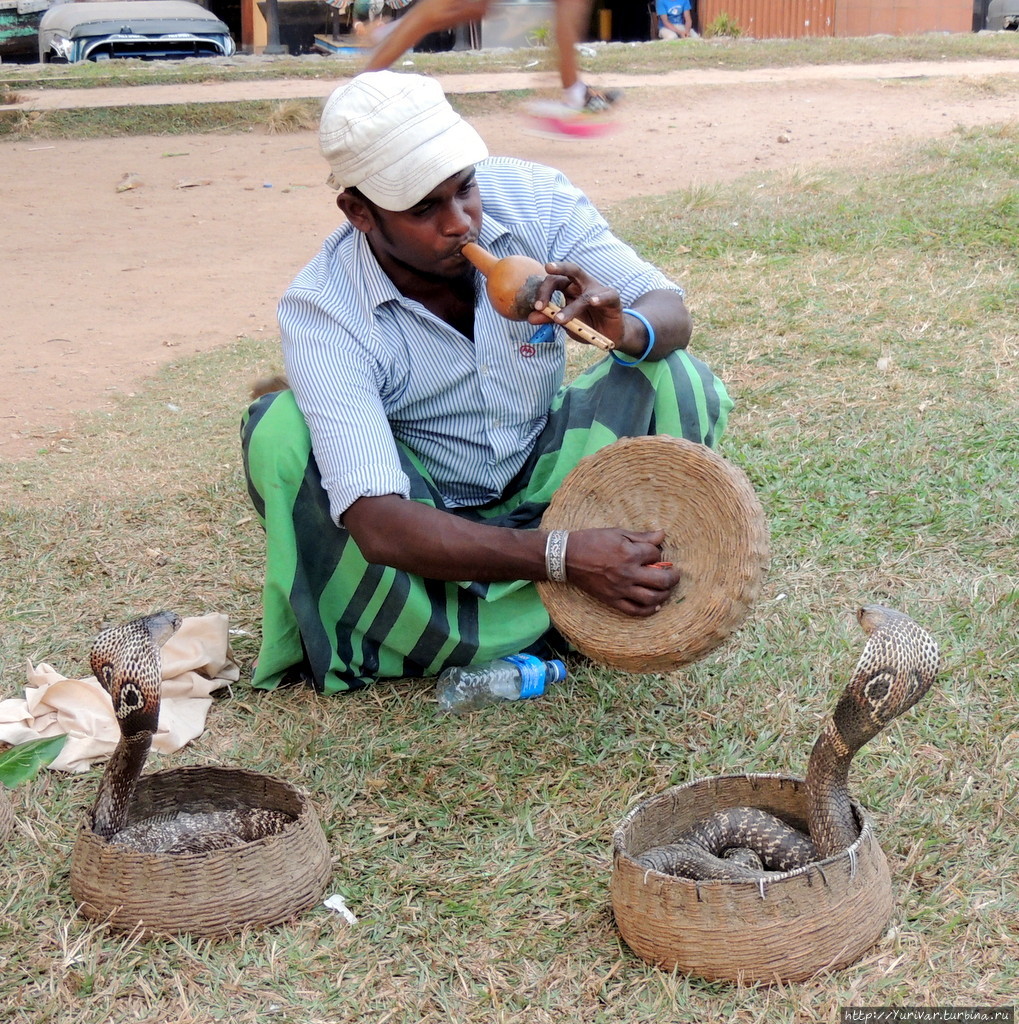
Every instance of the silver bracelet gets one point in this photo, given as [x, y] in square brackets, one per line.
[555, 555]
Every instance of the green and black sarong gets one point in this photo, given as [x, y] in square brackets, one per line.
[351, 622]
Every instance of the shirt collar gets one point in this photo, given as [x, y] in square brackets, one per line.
[491, 230]
[375, 282]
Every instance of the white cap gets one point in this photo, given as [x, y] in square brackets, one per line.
[395, 137]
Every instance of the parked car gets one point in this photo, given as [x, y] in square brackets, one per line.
[149, 29]
[1003, 14]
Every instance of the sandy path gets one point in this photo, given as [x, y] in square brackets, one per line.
[103, 286]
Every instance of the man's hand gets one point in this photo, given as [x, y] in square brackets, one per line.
[621, 568]
[600, 307]
[588, 300]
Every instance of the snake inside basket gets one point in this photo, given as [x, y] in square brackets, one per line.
[899, 663]
[126, 661]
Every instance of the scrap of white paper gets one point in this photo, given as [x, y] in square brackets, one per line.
[336, 902]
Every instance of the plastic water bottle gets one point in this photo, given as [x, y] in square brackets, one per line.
[515, 677]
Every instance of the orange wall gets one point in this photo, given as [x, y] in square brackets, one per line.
[795, 19]
[772, 19]
[902, 17]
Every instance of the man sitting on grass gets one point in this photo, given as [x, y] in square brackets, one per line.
[402, 480]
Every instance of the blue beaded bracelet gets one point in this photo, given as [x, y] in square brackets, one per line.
[650, 340]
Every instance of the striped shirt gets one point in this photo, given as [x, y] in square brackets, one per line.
[369, 366]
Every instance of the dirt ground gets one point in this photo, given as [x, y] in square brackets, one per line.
[104, 284]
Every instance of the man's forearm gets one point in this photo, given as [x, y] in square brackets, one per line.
[391, 530]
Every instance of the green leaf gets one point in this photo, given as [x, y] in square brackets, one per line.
[20, 763]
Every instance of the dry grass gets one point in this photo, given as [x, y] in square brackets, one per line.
[866, 326]
[638, 58]
[289, 116]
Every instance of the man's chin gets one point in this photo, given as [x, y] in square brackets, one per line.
[452, 268]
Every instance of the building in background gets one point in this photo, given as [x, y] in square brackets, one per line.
[516, 23]
[796, 19]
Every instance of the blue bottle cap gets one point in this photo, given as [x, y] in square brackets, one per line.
[556, 671]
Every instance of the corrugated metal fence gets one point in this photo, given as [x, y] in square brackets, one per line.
[795, 19]
[768, 19]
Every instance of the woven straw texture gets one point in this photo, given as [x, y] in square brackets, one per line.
[715, 534]
[6, 814]
[820, 917]
[208, 894]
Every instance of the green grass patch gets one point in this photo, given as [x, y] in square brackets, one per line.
[865, 324]
[200, 118]
[162, 119]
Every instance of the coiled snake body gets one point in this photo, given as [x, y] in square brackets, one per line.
[125, 659]
[899, 663]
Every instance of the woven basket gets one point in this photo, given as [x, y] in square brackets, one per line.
[6, 813]
[715, 534]
[208, 894]
[819, 917]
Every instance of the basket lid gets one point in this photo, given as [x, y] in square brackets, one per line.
[6, 814]
[715, 534]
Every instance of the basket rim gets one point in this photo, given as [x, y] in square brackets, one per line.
[128, 855]
[7, 815]
[867, 834]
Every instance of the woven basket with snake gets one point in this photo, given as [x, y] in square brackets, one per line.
[6, 814]
[820, 917]
[204, 850]
[766, 878]
[215, 892]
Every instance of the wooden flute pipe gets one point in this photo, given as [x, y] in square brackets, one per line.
[512, 285]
